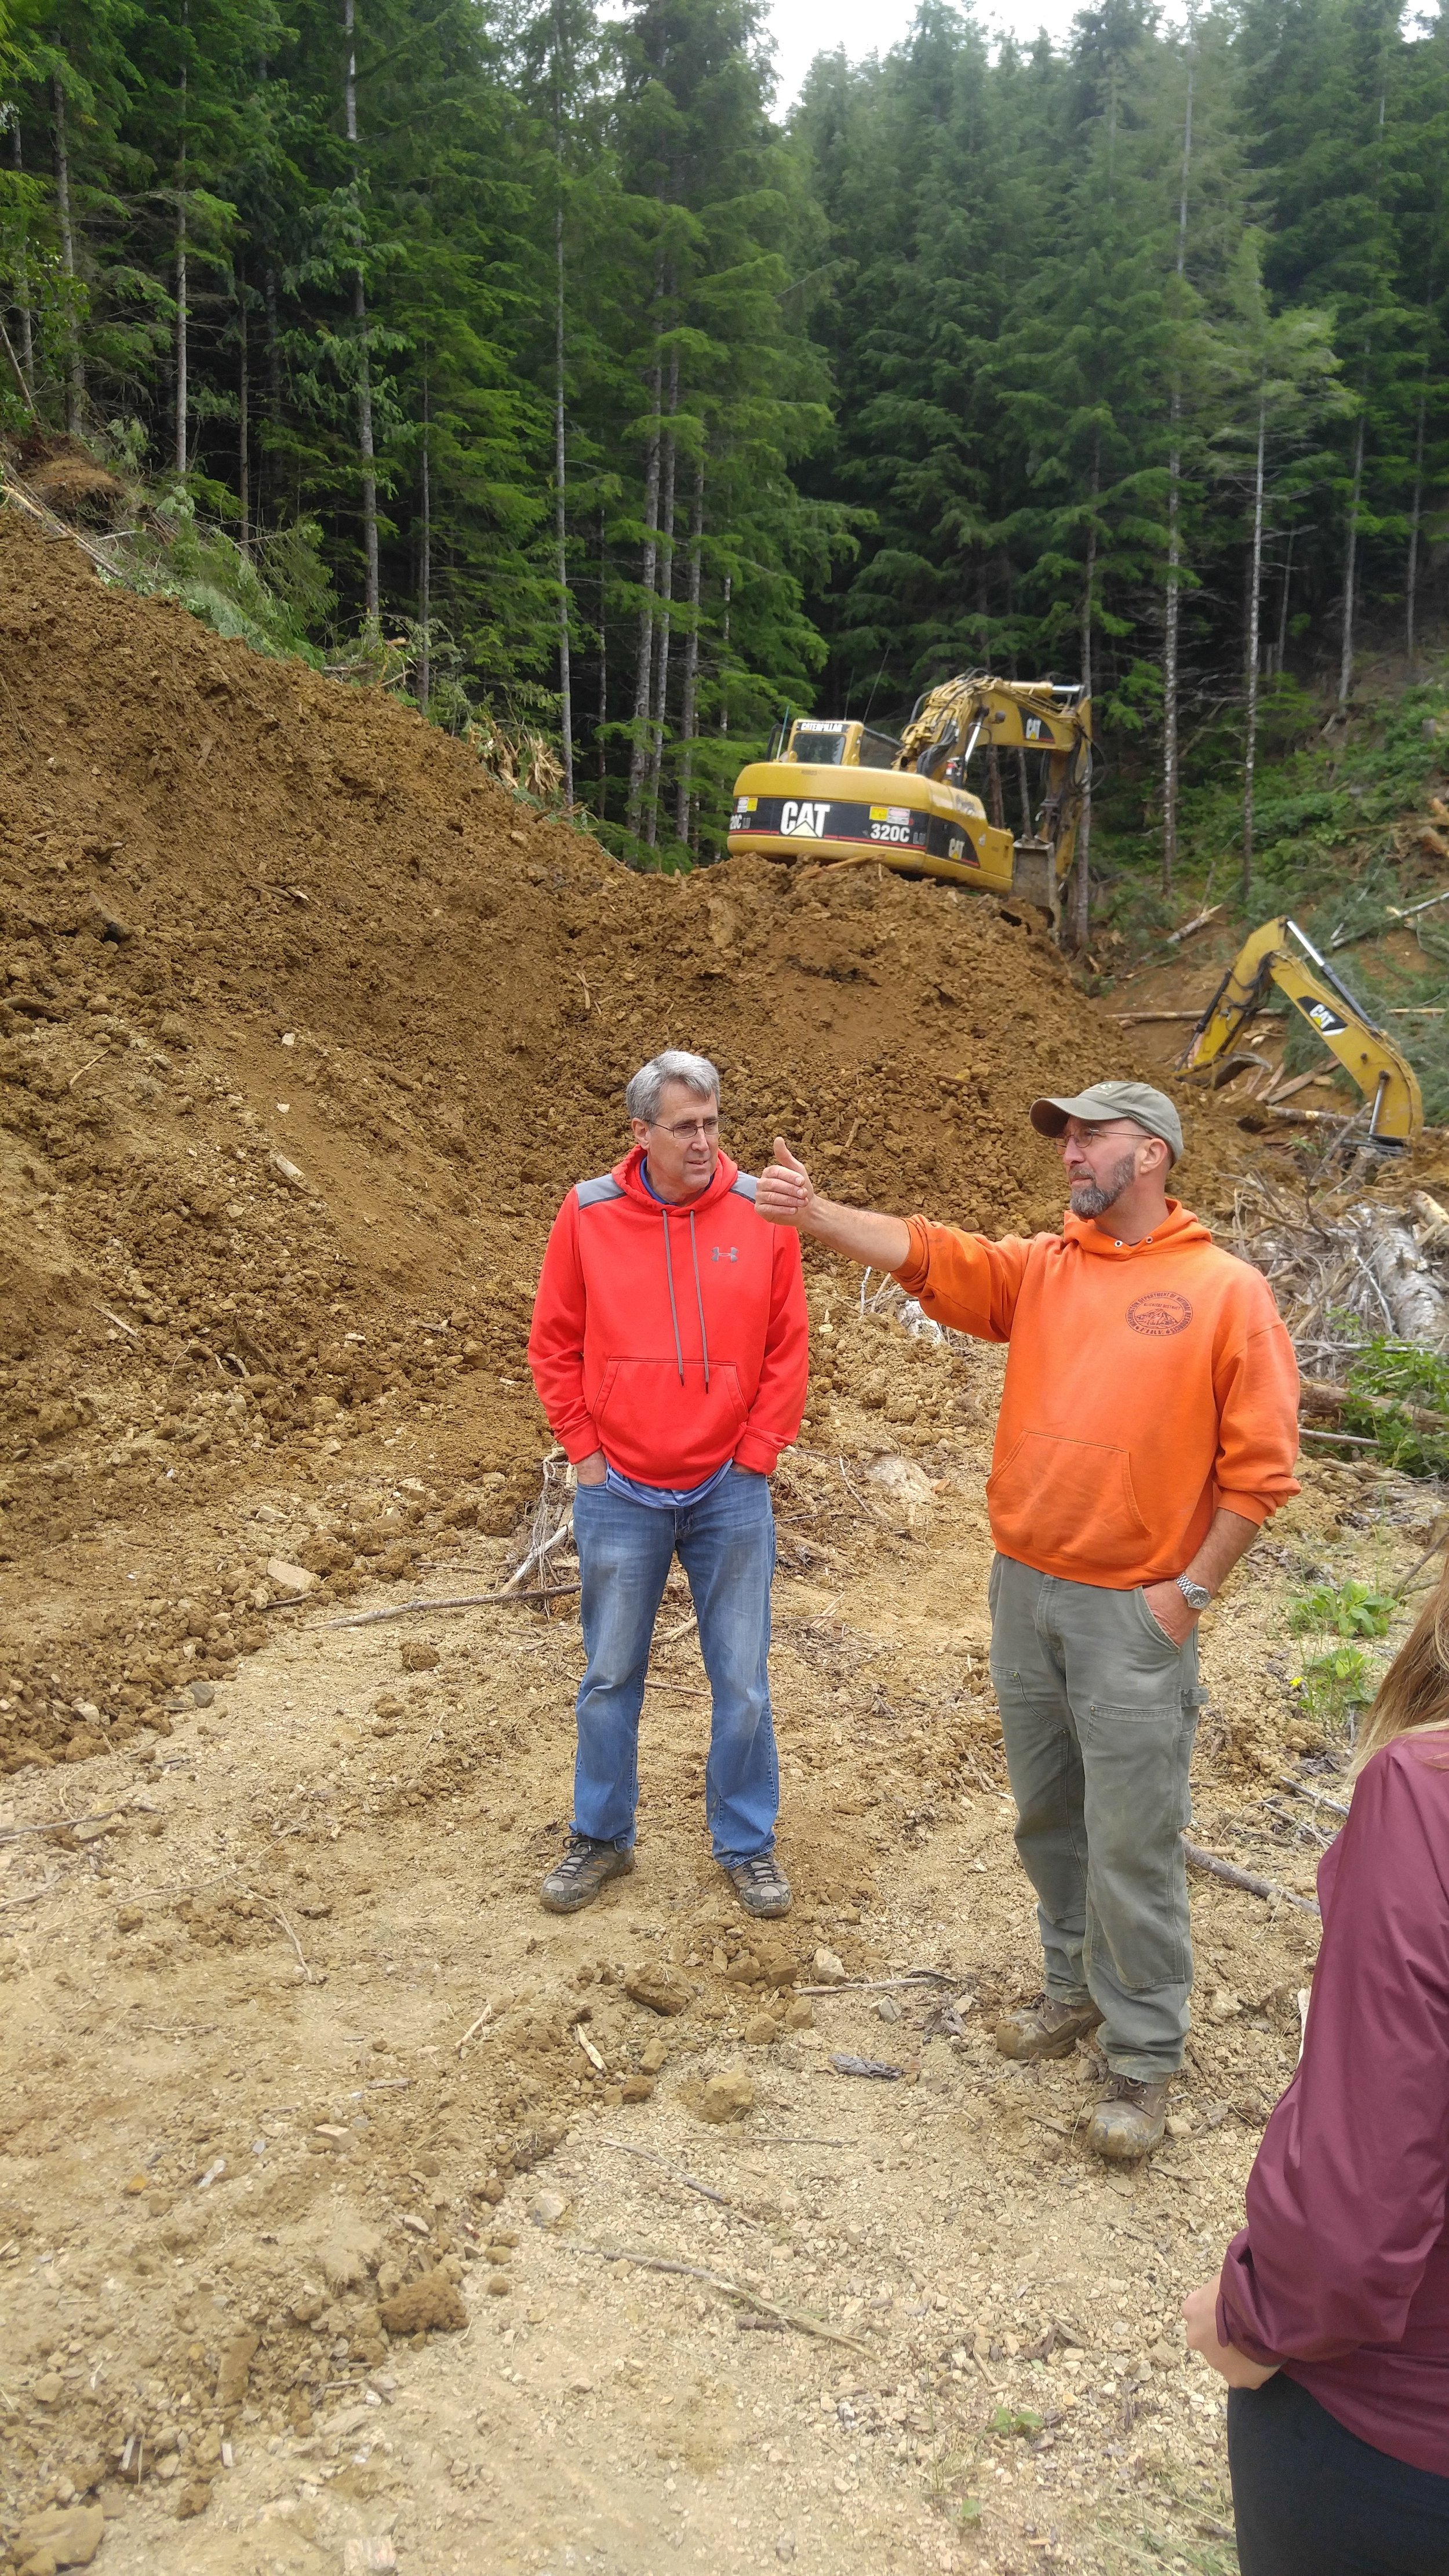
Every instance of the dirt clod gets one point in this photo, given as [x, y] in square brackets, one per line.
[658, 1991]
[725, 2097]
[69, 2535]
[429, 2304]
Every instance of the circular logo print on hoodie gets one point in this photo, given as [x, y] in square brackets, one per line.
[1162, 1310]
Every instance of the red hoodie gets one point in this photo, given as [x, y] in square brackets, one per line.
[672, 1338]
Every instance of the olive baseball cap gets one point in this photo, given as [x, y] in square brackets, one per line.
[1135, 1100]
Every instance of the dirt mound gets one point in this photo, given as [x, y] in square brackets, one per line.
[305, 1025]
[61, 472]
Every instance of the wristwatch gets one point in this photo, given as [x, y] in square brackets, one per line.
[1196, 1595]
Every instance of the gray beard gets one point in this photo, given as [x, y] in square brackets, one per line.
[1093, 1198]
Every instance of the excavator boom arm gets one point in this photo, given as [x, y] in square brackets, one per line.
[1279, 953]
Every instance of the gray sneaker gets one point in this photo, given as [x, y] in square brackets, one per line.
[760, 1884]
[582, 1874]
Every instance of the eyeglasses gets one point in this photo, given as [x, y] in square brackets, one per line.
[689, 1128]
[1090, 1135]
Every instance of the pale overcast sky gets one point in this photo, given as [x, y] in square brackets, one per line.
[804, 28]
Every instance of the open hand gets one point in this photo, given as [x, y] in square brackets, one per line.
[785, 1195]
[1200, 2316]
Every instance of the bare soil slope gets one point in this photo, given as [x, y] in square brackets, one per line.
[305, 1025]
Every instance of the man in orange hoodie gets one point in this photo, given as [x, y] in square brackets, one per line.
[1148, 1427]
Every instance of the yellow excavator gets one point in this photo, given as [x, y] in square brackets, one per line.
[835, 792]
[1280, 953]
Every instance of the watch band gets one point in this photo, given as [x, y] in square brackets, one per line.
[1196, 1595]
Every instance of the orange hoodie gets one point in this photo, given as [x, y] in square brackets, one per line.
[1147, 1385]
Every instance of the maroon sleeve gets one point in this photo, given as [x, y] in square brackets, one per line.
[1347, 2197]
[785, 1369]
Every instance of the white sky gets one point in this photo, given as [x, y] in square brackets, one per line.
[804, 28]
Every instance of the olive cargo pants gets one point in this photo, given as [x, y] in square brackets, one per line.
[1098, 1711]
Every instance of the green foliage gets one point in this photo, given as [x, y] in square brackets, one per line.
[1407, 1375]
[1335, 1684]
[176, 554]
[1014, 2419]
[1351, 1609]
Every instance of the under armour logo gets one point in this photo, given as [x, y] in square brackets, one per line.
[718, 1254]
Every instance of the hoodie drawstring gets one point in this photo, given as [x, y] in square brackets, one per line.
[698, 1298]
[673, 1309]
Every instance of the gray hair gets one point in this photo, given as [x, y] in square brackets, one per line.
[644, 1093]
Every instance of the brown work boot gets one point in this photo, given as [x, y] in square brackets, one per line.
[1129, 2121]
[760, 1884]
[1045, 2028]
[582, 1874]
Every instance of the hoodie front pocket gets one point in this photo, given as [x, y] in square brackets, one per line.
[1070, 1500]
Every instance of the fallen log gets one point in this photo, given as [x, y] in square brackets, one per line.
[1320, 1396]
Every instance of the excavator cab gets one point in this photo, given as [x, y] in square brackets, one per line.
[837, 742]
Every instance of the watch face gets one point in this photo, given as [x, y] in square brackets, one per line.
[1195, 1595]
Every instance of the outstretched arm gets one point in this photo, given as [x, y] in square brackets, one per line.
[786, 1195]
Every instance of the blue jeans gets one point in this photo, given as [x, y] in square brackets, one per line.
[726, 1545]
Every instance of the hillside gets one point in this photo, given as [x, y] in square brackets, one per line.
[308, 1025]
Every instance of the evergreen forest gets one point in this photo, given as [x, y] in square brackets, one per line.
[536, 355]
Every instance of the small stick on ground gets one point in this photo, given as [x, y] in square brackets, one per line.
[474, 2027]
[680, 1690]
[672, 1636]
[1247, 1879]
[57, 1825]
[795, 2317]
[879, 1985]
[296, 1944]
[1432, 1550]
[675, 2173]
[1301, 1789]
[455, 1601]
[801, 2142]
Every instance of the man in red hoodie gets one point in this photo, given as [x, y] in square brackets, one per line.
[1148, 1426]
[670, 1350]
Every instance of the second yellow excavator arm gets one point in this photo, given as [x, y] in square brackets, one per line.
[1280, 953]
[1010, 715]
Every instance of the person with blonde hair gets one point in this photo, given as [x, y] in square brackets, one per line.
[1330, 2317]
